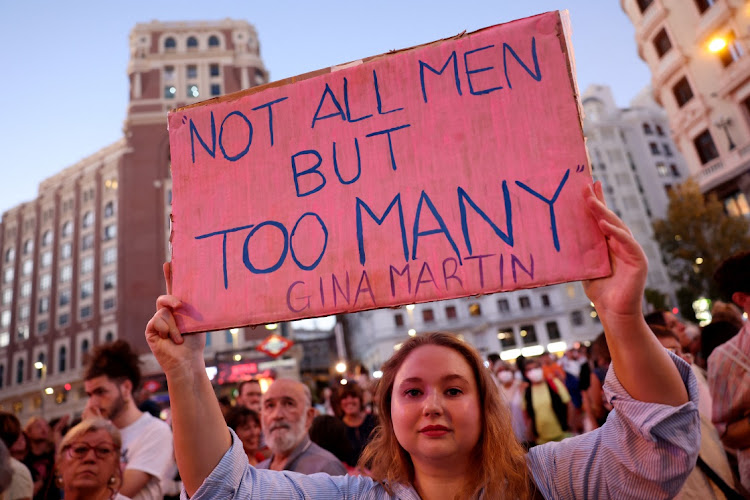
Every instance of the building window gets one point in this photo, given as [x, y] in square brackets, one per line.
[27, 267]
[23, 312]
[643, 5]
[475, 309]
[545, 300]
[26, 289]
[10, 254]
[4, 339]
[682, 92]
[5, 318]
[66, 272]
[7, 296]
[704, 5]
[576, 317]
[109, 255]
[450, 312]
[87, 289]
[67, 229]
[524, 302]
[110, 232]
[192, 71]
[654, 148]
[85, 312]
[667, 149]
[87, 264]
[428, 316]
[662, 43]
[47, 238]
[260, 78]
[192, 90]
[109, 303]
[528, 334]
[109, 209]
[213, 69]
[553, 332]
[46, 258]
[109, 281]
[675, 172]
[84, 347]
[170, 44]
[213, 41]
[28, 247]
[192, 42]
[42, 327]
[170, 92]
[63, 298]
[87, 242]
[736, 205]
[503, 306]
[506, 338]
[659, 130]
[398, 318]
[109, 337]
[63, 319]
[43, 305]
[45, 281]
[168, 73]
[661, 168]
[19, 371]
[2, 374]
[704, 145]
[62, 358]
[66, 250]
[88, 219]
[215, 89]
[647, 129]
[731, 51]
[8, 275]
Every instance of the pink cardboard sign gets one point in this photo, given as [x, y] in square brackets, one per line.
[446, 170]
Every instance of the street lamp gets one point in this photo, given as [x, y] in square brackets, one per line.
[43, 367]
[724, 123]
[340, 367]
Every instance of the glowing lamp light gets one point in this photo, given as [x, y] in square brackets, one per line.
[38, 365]
[534, 350]
[410, 307]
[699, 260]
[510, 354]
[344, 381]
[675, 310]
[377, 374]
[412, 332]
[717, 44]
[340, 367]
[49, 390]
[238, 357]
[557, 346]
[272, 326]
[234, 331]
[67, 387]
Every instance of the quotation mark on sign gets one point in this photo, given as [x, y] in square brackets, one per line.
[184, 120]
[579, 168]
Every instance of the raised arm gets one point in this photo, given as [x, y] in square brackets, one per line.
[201, 437]
[642, 364]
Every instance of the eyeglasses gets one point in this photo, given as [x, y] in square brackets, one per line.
[80, 450]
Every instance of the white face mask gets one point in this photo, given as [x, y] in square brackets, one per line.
[505, 376]
[535, 375]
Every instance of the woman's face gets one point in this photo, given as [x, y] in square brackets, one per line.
[89, 462]
[249, 434]
[351, 405]
[435, 407]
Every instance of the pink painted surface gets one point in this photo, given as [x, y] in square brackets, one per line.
[525, 132]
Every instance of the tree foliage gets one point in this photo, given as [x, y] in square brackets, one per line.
[695, 237]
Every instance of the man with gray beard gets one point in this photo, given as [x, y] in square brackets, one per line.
[286, 416]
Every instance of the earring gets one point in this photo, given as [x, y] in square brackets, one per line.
[112, 480]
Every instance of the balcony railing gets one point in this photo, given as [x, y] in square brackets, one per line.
[723, 168]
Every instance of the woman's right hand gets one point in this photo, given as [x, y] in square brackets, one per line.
[171, 349]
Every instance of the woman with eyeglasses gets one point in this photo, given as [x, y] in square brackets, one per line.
[88, 462]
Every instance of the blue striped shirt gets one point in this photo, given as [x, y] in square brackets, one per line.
[643, 451]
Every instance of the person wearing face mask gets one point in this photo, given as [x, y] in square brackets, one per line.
[545, 403]
[512, 390]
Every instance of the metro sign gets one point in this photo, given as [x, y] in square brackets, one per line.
[274, 345]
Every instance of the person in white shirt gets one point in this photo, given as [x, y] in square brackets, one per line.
[113, 374]
[21, 487]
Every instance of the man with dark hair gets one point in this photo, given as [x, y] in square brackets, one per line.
[729, 367]
[249, 394]
[111, 378]
[21, 487]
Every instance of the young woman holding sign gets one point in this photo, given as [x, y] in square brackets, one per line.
[445, 433]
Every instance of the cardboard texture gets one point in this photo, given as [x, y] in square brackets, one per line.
[451, 169]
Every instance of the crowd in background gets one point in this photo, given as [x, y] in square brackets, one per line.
[117, 449]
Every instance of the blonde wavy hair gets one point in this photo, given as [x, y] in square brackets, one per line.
[498, 461]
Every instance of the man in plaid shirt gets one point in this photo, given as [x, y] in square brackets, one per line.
[729, 368]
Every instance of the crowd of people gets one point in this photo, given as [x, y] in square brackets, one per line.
[652, 408]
